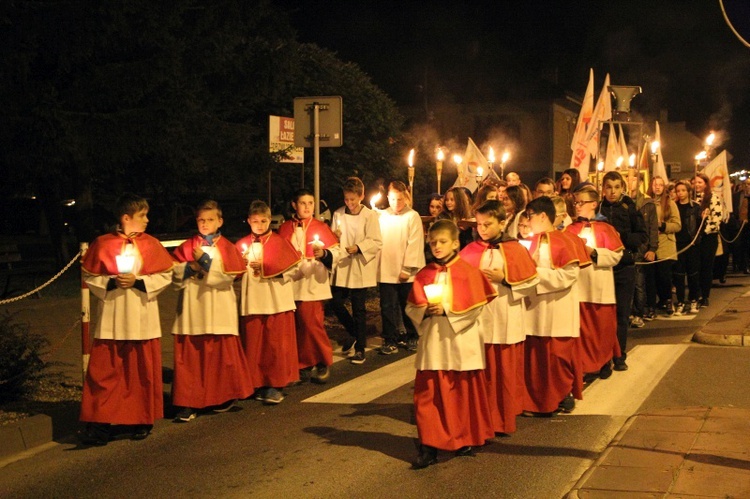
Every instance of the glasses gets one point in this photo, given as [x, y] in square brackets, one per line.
[530, 214]
[581, 203]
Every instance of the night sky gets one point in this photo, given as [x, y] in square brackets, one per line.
[682, 53]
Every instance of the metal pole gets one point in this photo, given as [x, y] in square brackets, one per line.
[85, 319]
[316, 156]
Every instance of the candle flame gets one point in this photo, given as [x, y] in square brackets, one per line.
[491, 155]
[655, 146]
[440, 154]
[457, 159]
[631, 160]
[506, 157]
[710, 139]
[375, 199]
[411, 158]
[244, 248]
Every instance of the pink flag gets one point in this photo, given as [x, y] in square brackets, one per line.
[659, 169]
[581, 158]
[602, 112]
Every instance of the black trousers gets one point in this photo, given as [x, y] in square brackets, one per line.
[624, 289]
[688, 265]
[707, 250]
[392, 306]
[356, 322]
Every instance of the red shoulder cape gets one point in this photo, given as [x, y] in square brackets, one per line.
[563, 249]
[312, 228]
[519, 266]
[230, 257]
[605, 234]
[471, 289]
[100, 257]
[278, 253]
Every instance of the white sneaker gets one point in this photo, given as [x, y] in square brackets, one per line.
[694, 307]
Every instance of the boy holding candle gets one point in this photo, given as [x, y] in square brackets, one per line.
[123, 384]
[450, 390]
[512, 272]
[552, 351]
[597, 286]
[318, 247]
[210, 368]
[400, 259]
[267, 329]
[358, 230]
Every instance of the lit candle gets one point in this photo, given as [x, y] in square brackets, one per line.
[126, 260]
[655, 147]
[434, 293]
[587, 234]
[619, 162]
[459, 168]
[255, 253]
[631, 160]
[480, 174]
[375, 200]
[316, 242]
[439, 166]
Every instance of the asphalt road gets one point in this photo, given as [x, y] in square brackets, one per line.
[357, 438]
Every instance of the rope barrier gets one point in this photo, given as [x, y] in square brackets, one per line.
[672, 257]
[39, 288]
[744, 222]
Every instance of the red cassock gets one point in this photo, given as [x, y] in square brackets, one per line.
[553, 363]
[270, 340]
[123, 382]
[313, 344]
[506, 384]
[599, 320]
[451, 406]
[210, 369]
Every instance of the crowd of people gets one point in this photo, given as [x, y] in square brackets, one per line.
[512, 299]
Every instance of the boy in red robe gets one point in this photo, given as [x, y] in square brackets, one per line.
[314, 242]
[209, 365]
[125, 271]
[267, 307]
[512, 272]
[450, 390]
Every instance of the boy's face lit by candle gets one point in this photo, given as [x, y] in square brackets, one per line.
[304, 206]
[353, 201]
[396, 200]
[488, 227]
[135, 223]
[209, 222]
[442, 244]
[259, 223]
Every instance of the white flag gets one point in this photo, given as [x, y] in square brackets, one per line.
[602, 112]
[623, 146]
[472, 159]
[581, 159]
[721, 185]
[613, 150]
[659, 169]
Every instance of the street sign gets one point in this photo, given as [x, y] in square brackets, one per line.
[281, 138]
[330, 121]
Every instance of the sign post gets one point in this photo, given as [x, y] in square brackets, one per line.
[318, 130]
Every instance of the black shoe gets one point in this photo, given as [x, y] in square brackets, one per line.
[348, 345]
[568, 404]
[411, 344]
[140, 432]
[226, 406]
[402, 340]
[358, 358]
[427, 457]
[94, 434]
[606, 371]
[465, 451]
[620, 364]
[322, 373]
[704, 302]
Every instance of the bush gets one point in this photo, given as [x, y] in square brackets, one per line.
[21, 362]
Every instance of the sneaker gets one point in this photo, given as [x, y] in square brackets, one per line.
[186, 415]
[667, 309]
[225, 406]
[348, 345]
[637, 323]
[321, 375]
[704, 302]
[649, 315]
[411, 344]
[679, 309]
[620, 364]
[694, 307]
[260, 394]
[568, 404]
[465, 451]
[273, 396]
[402, 340]
[606, 371]
[388, 349]
[427, 457]
[358, 358]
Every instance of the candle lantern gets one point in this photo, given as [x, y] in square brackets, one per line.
[434, 293]
[126, 260]
[587, 234]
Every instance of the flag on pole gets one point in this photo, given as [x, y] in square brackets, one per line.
[613, 150]
[581, 159]
[721, 185]
[623, 146]
[472, 159]
[602, 112]
[659, 169]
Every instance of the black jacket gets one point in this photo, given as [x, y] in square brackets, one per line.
[623, 215]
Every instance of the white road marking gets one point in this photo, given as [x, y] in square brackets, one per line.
[686, 317]
[366, 388]
[624, 392]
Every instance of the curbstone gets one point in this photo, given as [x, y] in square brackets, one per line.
[26, 434]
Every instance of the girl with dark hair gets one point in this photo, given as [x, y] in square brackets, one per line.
[659, 274]
[567, 183]
[688, 262]
[457, 207]
[514, 203]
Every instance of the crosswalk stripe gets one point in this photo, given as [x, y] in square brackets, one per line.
[366, 388]
[624, 392]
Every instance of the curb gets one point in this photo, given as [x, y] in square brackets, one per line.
[734, 317]
[28, 433]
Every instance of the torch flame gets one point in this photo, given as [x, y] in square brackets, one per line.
[480, 171]
[619, 161]
[440, 154]
[506, 157]
[631, 160]
[491, 155]
[710, 139]
[655, 146]
[701, 155]
[411, 158]
[457, 159]
[600, 166]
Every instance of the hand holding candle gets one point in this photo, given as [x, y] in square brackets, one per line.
[317, 246]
